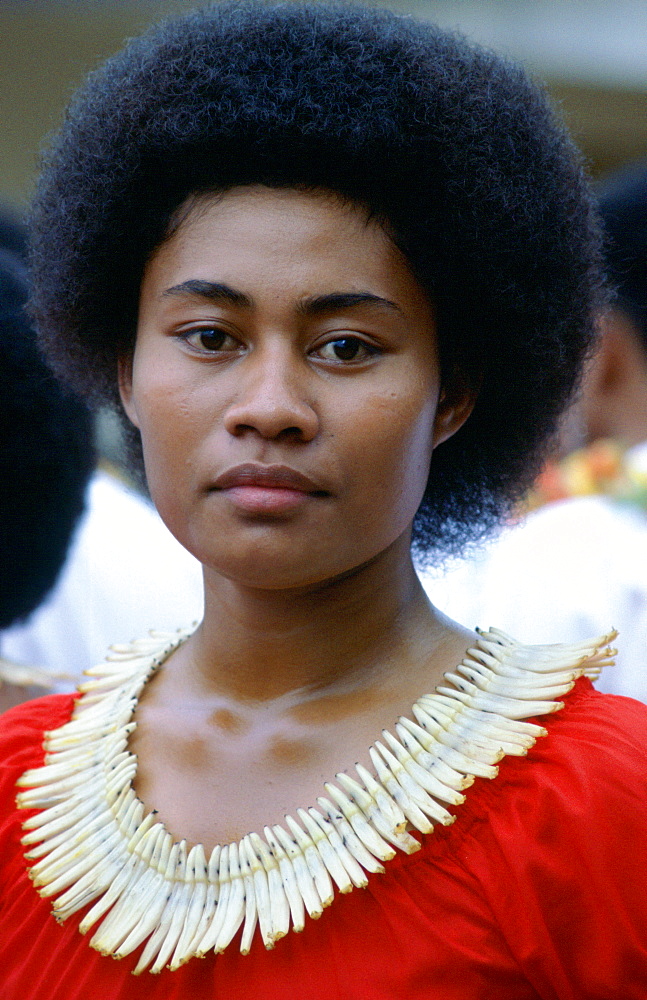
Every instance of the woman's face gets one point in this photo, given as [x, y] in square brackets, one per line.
[286, 384]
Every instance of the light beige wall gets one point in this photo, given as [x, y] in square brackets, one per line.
[44, 55]
[609, 124]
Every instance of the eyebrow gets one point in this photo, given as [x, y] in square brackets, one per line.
[215, 291]
[336, 301]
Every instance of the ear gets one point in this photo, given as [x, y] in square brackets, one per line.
[606, 370]
[617, 365]
[125, 380]
[457, 398]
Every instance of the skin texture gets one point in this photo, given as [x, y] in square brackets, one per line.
[614, 398]
[285, 330]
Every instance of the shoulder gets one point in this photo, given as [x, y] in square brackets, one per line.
[593, 724]
[589, 769]
[555, 846]
[35, 716]
[21, 736]
[21, 747]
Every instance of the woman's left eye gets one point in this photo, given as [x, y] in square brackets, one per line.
[209, 340]
[346, 349]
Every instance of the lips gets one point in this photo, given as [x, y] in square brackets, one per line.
[269, 477]
[267, 490]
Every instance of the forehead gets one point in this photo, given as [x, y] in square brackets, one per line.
[280, 237]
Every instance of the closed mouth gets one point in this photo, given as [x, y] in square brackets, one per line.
[269, 477]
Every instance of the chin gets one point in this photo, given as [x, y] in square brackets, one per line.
[274, 570]
[275, 577]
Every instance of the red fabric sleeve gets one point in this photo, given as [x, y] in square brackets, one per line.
[571, 900]
[21, 747]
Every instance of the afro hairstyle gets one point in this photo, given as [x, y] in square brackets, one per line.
[46, 457]
[454, 149]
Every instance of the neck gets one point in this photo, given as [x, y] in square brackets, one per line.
[343, 635]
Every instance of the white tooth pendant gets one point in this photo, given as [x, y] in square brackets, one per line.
[279, 906]
[251, 909]
[90, 840]
[289, 881]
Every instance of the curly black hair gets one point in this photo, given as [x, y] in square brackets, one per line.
[46, 457]
[452, 146]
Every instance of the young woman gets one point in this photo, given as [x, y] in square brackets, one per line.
[340, 270]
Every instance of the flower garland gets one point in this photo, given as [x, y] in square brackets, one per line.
[600, 469]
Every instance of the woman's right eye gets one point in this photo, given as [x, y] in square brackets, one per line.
[209, 340]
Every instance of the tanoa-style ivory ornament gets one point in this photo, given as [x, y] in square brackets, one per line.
[92, 842]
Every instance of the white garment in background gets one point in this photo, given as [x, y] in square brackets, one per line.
[125, 574]
[570, 571]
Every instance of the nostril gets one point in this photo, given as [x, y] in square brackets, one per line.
[291, 433]
[284, 432]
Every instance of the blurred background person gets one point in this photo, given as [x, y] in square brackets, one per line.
[13, 234]
[614, 401]
[46, 459]
[82, 555]
[580, 559]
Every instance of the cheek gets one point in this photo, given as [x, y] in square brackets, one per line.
[166, 401]
[163, 423]
[394, 447]
[167, 423]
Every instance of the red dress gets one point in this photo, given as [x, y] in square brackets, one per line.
[537, 890]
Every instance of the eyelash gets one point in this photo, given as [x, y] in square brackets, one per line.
[352, 341]
[368, 350]
[192, 335]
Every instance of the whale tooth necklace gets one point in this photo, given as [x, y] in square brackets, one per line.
[90, 840]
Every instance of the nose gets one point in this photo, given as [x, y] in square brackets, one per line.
[271, 398]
